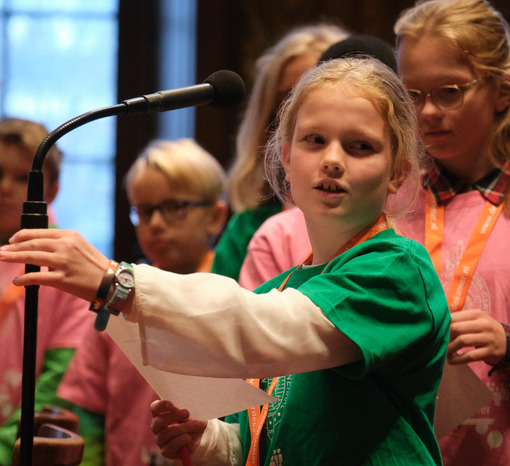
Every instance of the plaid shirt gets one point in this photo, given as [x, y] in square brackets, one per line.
[445, 185]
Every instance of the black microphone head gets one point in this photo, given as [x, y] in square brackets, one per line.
[359, 45]
[229, 89]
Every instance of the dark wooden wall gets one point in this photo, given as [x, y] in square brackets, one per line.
[137, 75]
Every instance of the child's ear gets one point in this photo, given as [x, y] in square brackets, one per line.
[50, 192]
[218, 218]
[503, 99]
[397, 180]
[393, 186]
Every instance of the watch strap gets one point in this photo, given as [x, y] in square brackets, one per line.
[122, 289]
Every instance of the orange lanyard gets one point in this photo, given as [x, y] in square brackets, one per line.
[206, 264]
[465, 270]
[8, 299]
[380, 224]
[257, 416]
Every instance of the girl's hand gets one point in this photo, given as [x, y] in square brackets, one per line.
[481, 337]
[174, 430]
[74, 265]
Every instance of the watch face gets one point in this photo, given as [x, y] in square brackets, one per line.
[125, 278]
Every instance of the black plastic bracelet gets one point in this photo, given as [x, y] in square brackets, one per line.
[506, 357]
[503, 365]
[104, 286]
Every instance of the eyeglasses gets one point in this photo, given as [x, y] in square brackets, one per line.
[447, 97]
[172, 211]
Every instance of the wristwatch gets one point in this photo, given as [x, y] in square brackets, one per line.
[124, 282]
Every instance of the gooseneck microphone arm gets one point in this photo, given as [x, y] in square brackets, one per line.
[222, 89]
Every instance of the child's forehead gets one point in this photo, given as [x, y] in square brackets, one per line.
[344, 86]
[150, 181]
[15, 154]
[340, 88]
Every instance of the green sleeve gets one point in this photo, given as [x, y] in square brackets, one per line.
[54, 366]
[232, 246]
[92, 431]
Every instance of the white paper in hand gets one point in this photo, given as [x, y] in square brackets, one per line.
[461, 394]
[204, 397]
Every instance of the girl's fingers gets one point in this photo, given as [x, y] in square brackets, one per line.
[28, 234]
[35, 278]
[165, 414]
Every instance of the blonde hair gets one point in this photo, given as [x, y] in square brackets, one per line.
[186, 165]
[368, 78]
[28, 135]
[247, 187]
[481, 33]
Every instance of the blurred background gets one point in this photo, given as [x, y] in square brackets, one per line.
[62, 58]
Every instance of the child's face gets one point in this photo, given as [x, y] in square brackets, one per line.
[339, 160]
[15, 163]
[178, 246]
[14, 166]
[458, 137]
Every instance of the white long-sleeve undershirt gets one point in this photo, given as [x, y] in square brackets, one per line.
[206, 324]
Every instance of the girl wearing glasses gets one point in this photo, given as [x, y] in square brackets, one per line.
[453, 56]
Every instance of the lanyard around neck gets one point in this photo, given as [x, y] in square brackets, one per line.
[380, 224]
[465, 270]
[206, 263]
[257, 416]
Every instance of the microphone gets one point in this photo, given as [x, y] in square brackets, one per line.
[221, 89]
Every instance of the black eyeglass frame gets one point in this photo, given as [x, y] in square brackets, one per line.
[422, 95]
[179, 205]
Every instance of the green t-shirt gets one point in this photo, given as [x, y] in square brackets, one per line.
[231, 248]
[385, 295]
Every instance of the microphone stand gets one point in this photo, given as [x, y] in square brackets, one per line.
[34, 215]
[222, 89]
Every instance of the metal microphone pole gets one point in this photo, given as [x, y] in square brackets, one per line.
[34, 215]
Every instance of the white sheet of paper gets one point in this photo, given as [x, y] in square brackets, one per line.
[461, 394]
[205, 397]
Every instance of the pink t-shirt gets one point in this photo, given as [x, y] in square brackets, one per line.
[485, 437]
[280, 243]
[101, 379]
[62, 320]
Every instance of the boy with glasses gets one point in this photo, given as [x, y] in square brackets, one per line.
[174, 188]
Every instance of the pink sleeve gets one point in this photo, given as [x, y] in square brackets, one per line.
[280, 243]
[260, 264]
[63, 318]
[85, 382]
